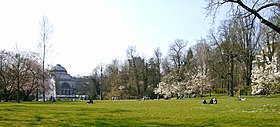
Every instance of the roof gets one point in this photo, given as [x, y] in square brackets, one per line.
[58, 68]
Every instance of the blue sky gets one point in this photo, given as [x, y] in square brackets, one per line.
[88, 33]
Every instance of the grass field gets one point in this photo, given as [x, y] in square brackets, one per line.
[254, 112]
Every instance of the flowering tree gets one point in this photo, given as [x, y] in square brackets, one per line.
[167, 87]
[265, 76]
[198, 83]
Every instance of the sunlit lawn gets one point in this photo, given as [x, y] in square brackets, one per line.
[254, 112]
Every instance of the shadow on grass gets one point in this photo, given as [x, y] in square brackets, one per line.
[119, 111]
[132, 122]
[38, 118]
[8, 109]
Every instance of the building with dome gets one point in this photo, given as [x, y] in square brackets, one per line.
[65, 86]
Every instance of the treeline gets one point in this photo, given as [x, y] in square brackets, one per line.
[222, 62]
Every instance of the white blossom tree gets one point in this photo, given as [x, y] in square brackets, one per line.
[167, 86]
[265, 75]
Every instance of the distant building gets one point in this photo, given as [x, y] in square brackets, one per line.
[67, 86]
[137, 62]
[64, 83]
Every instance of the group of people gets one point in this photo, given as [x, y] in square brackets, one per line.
[212, 101]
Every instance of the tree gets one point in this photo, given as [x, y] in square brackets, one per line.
[248, 39]
[46, 29]
[8, 75]
[265, 77]
[115, 82]
[223, 44]
[176, 52]
[174, 71]
[100, 79]
[177, 57]
[241, 42]
[157, 58]
[87, 86]
[35, 73]
[258, 8]
[20, 76]
[202, 51]
[166, 65]
[165, 88]
[136, 65]
[190, 73]
[189, 59]
[218, 65]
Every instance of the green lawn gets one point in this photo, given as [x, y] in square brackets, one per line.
[254, 112]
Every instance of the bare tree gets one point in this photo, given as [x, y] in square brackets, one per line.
[132, 57]
[19, 75]
[270, 39]
[7, 75]
[157, 57]
[46, 29]
[97, 75]
[176, 55]
[137, 70]
[176, 52]
[258, 8]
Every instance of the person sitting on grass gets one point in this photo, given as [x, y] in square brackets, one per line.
[211, 101]
[204, 101]
[52, 99]
[90, 102]
[215, 101]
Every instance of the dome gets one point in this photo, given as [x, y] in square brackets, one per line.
[58, 68]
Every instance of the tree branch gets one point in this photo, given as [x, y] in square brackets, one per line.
[255, 12]
[268, 5]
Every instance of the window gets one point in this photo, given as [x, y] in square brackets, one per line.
[65, 85]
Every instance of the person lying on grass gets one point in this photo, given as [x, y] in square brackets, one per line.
[90, 102]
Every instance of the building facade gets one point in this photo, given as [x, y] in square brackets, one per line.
[65, 84]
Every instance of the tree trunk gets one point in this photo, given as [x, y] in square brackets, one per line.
[37, 94]
[231, 85]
